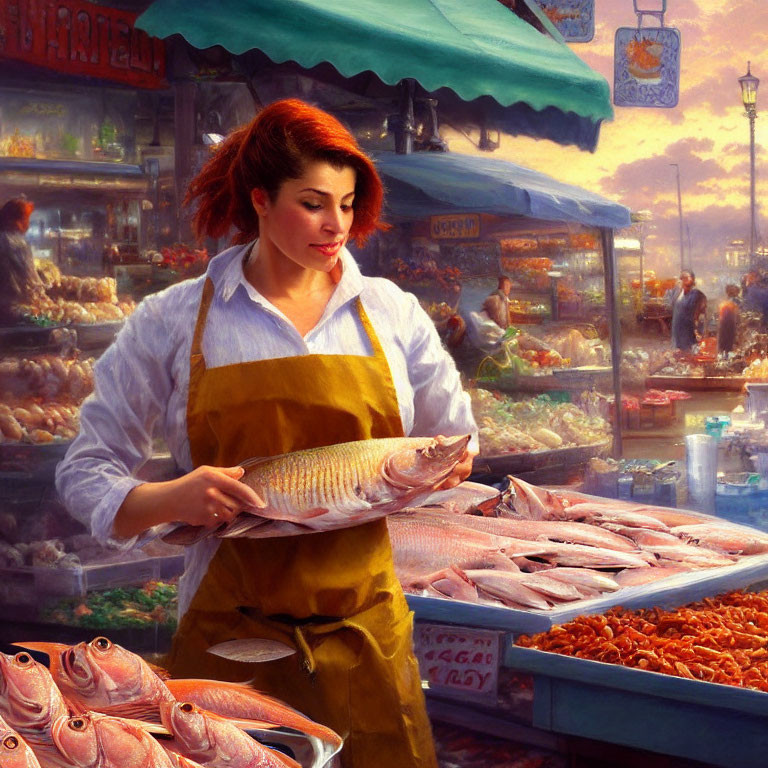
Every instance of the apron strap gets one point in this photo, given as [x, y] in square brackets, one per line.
[378, 350]
[207, 299]
[202, 316]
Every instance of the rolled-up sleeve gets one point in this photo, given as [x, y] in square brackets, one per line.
[118, 421]
[441, 406]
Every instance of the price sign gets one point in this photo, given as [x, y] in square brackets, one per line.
[459, 662]
[455, 226]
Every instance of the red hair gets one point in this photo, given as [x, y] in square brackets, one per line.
[275, 146]
[14, 215]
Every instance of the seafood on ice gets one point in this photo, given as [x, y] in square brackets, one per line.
[530, 548]
[337, 486]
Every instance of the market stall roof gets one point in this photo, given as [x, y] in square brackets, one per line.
[424, 184]
[476, 48]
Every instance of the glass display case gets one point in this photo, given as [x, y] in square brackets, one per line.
[68, 124]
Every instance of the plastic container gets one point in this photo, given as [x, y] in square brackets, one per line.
[26, 584]
[701, 457]
[757, 398]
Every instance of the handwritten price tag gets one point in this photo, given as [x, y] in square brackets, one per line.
[459, 661]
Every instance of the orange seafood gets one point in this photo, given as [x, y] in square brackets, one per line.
[722, 639]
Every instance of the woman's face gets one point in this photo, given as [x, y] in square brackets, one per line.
[310, 218]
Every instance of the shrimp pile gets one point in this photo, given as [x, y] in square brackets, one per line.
[722, 639]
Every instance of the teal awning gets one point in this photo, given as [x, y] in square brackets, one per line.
[476, 48]
[430, 183]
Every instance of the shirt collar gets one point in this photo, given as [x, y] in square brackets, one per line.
[229, 275]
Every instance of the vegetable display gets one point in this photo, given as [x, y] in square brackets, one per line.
[153, 603]
[509, 425]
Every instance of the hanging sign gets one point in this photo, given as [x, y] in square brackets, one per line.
[573, 19]
[80, 38]
[458, 661]
[454, 226]
[646, 66]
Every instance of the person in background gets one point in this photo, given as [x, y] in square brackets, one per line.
[496, 304]
[19, 281]
[728, 320]
[688, 308]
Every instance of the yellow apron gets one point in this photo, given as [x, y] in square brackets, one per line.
[332, 595]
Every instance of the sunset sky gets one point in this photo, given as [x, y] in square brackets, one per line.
[707, 134]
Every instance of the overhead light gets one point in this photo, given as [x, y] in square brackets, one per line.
[212, 139]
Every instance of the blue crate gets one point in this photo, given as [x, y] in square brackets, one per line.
[716, 724]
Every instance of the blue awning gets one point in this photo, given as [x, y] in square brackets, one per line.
[425, 184]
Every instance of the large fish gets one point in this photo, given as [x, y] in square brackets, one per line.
[214, 742]
[468, 498]
[724, 538]
[29, 703]
[105, 677]
[241, 703]
[549, 530]
[425, 541]
[92, 740]
[14, 751]
[337, 486]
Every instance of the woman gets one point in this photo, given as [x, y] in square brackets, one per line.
[688, 308]
[281, 346]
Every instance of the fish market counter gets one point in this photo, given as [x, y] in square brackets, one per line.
[476, 673]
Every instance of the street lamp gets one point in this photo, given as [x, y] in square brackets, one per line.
[749, 84]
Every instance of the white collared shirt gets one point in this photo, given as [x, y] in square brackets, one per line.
[142, 380]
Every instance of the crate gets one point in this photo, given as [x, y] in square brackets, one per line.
[717, 724]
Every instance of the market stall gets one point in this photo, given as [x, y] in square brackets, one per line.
[86, 145]
[460, 223]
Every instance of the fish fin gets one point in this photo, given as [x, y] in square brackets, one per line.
[252, 650]
[53, 650]
[184, 535]
[161, 672]
[153, 728]
[257, 460]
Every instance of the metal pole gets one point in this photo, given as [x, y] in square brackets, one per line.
[612, 306]
[752, 230]
[679, 214]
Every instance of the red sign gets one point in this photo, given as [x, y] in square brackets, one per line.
[80, 38]
[457, 660]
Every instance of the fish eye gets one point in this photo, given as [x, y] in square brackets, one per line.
[187, 707]
[10, 742]
[102, 643]
[24, 659]
[77, 724]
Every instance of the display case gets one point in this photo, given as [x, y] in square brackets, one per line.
[56, 580]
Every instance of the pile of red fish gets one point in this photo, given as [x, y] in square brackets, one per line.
[720, 640]
[98, 705]
[534, 549]
[459, 748]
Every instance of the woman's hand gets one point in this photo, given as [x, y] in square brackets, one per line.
[460, 472]
[207, 496]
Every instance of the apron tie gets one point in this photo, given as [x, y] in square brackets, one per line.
[308, 660]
